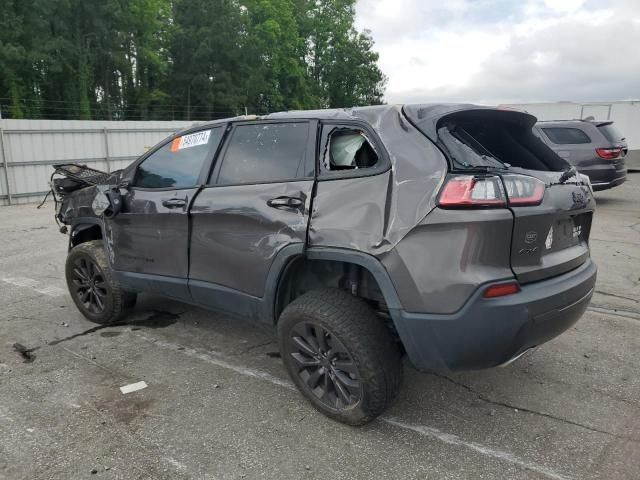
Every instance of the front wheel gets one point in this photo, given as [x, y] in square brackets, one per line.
[92, 286]
[340, 355]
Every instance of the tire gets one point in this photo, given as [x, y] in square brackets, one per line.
[357, 372]
[92, 286]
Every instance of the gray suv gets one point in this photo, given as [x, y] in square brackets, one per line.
[449, 233]
[595, 148]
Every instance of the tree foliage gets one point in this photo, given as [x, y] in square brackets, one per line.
[182, 59]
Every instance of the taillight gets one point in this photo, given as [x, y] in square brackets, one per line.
[501, 289]
[609, 153]
[523, 191]
[491, 191]
[472, 191]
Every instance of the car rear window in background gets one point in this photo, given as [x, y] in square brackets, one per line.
[178, 163]
[610, 132]
[562, 136]
[266, 152]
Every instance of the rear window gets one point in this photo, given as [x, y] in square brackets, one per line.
[566, 136]
[611, 133]
[490, 139]
[265, 152]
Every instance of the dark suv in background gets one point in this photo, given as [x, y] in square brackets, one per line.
[449, 233]
[595, 148]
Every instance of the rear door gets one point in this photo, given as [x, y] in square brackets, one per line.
[150, 234]
[255, 204]
[551, 238]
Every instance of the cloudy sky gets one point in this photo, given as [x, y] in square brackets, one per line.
[500, 51]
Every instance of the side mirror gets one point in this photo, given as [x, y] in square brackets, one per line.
[125, 184]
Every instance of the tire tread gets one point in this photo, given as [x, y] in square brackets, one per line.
[362, 331]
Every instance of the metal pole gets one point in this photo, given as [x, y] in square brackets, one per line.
[106, 148]
[5, 164]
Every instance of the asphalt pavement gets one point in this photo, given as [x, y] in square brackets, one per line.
[218, 403]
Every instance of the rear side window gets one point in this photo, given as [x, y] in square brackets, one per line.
[611, 133]
[178, 163]
[347, 149]
[266, 152]
[565, 136]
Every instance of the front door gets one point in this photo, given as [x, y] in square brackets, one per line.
[256, 203]
[151, 234]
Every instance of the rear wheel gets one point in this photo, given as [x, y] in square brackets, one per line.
[92, 287]
[340, 355]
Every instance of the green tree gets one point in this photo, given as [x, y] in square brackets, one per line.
[276, 73]
[341, 61]
[193, 59]
[206, 74]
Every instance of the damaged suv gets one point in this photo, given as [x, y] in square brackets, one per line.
[449, 233]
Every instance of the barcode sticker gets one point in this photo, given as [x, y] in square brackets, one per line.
[191, 140]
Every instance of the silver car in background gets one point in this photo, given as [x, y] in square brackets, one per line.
[596, 148]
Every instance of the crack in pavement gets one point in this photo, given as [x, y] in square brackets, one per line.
[157, 319]
[618, 312]
[253, 347]
[617, 296]
[499, 403]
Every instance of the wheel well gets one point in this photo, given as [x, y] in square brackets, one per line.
[85, 233]
[303, 275]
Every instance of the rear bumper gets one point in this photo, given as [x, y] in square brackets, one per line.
[612, 183]
[488, 332]
[606, 176]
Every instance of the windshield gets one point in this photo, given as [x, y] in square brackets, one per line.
[465, 151]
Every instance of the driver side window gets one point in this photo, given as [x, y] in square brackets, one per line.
[178, 163]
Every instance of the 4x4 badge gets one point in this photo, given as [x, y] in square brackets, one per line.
[530, 237]
[549, 241]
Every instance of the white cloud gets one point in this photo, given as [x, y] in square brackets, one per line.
[495, 51]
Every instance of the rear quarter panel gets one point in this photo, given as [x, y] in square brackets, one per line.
[444, 259]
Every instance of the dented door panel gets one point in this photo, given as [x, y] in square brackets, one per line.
[372, 213]
[151, 234]
[237, 231]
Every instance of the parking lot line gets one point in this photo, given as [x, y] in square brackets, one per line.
[48, 290]
[422, 430]
[490, 452]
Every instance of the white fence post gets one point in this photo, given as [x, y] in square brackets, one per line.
[5, 164]
[106, 148]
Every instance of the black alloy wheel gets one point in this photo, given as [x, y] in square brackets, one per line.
[325, 366]
[340, 354]
[89, 284]
[92, 286]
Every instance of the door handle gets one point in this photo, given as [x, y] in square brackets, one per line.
[285, 202]
[174, 203]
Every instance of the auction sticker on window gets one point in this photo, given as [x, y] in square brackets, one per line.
[191, 140]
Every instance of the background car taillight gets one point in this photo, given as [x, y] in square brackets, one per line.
[491, 191]
[609, 153]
